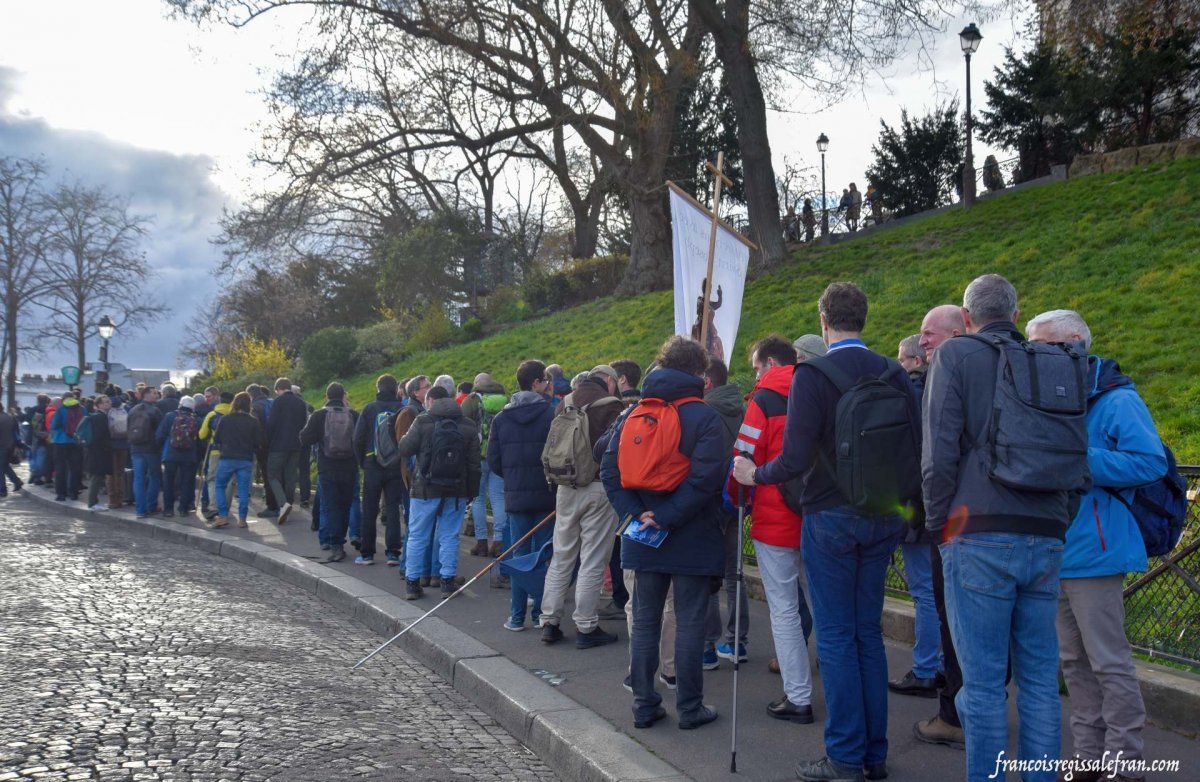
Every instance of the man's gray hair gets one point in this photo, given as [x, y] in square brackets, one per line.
[910, 347]
[990, 298]
[1063, 324]
[446, 382]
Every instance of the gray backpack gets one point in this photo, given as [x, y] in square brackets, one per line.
[1038, 426]
[337, 440]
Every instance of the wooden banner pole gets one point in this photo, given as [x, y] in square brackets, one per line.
[719, 177]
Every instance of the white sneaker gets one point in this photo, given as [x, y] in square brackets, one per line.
[98, 506]
[284, 510]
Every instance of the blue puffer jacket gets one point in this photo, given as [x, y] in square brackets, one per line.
[514, 452]
[1124, 450]
[691, 513]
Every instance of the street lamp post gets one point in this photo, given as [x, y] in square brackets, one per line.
[106, 328]
[822, 145]
[969, 40]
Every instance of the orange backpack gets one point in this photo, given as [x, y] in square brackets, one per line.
[648, 455]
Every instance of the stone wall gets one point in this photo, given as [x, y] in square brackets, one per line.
[1125, 159]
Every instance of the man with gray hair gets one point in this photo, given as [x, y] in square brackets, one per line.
[1103, 544]
[1003, 524]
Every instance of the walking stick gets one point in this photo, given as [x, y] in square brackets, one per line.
[737, 620]
[443, 602]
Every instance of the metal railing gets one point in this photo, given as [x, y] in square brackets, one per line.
[1162, 605]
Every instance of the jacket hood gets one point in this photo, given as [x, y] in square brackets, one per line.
[489, 387]
[526, 407]
[777, 379]
[70, 402]
[223, 407]
[671, 384]
[445, 408]
[726, 399]
[1105, 375]
[382, 397]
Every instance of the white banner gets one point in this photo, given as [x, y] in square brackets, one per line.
[690, 228]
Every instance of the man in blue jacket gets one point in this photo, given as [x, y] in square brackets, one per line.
[1103, 544]
[694, 550]
[514, 452]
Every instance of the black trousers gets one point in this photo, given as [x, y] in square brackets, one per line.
[68, 470]
[387, 485]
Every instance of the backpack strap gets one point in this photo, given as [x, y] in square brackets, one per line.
[833, 372]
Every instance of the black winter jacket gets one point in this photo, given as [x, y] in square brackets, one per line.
[314, 432]
[287, 417]
[514, 452]
[240, 436]
[364, 430]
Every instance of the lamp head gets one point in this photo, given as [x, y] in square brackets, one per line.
[106, 327]
[969, 39]
[822, 143]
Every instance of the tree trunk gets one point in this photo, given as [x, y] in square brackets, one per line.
[586, 216]
[10, 326]
[650, 259]
[732, 37]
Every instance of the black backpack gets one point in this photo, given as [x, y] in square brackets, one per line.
[877, 442]
[446, 466]
[140, 425]
[1159, 508]
[387, 448]
[1038, 423]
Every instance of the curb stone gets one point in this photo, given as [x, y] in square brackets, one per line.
[578, 744]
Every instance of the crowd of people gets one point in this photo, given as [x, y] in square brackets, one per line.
[1015, 543]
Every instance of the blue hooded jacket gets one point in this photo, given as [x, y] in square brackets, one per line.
[692, 513]
[1124, 451]
[514, 452]
[59, 425]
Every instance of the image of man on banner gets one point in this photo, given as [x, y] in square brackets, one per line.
[714, 345]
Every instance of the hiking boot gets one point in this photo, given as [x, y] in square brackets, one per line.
[448, 587]
[651, 718]
[610, 611]
[495, 550]
[875, 770]
[285, 510]
[481, 549]
[935, 730]
[551, 634]
[596, 637]
[784, 709]
[826, 770]
[426, 581]
[911, 684]
[413, 591]
[703, 716]
[337, 554]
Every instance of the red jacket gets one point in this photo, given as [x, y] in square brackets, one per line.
[761, 435]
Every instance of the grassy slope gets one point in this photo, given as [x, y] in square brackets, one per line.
[1123, 249]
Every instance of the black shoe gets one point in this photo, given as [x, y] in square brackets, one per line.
[18, 487]
[658, 713]
[703, 716]
[875, 770]
[304, 504]
[448, 587]
[596, 637]
[210, 514]
[911, 684]
[826, 770]
[413, 591]
[551, 634]
[356, 543]
[267, 514]
[784, 709]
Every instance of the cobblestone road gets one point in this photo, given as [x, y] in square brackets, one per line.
[128, 658]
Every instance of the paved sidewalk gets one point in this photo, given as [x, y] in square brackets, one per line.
[767, 748]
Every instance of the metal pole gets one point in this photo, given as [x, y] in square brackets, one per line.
[102, 375]
[737, 619]
[457, 592]
[968, 184]
[824, 200]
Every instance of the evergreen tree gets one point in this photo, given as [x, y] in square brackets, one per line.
[915, 165]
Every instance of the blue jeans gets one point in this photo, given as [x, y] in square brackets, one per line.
[518, 525]
[491, 487]
[845, 561]
[37, 461]
[241, 469]
[691, 606]
[146, 481]
[441, 518]
[337, 492]
[918, 569]
[324, 536]
[1001, 601]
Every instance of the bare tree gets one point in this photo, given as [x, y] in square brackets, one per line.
[25, 222]
[97, 267]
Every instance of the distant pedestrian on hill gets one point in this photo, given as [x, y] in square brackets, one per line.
[855, 209]
[809, 219]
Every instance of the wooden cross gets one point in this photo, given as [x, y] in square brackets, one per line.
[718, 172]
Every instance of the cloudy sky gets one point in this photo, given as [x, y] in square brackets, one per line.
[120, 95]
